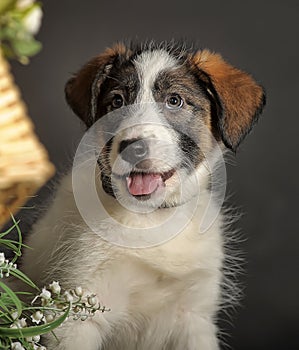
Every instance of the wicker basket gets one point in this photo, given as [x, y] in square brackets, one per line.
[24, 164]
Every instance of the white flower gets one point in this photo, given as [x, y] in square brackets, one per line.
[68, 297]
[36, 338]
[2, 258]
[22, 4]
[14, 315]
[45, 294]
[20, 323]
[49, 318]
[17, 346]
[23, 322]
[92, 300]
[42, 348]
[78, 291]
[55, 287]
[32, 20]
[37, 316]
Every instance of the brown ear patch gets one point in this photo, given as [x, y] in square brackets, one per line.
[242, 99]
[83, 88]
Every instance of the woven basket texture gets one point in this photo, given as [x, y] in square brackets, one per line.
[24, 162]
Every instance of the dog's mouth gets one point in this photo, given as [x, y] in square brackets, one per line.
[142, 185]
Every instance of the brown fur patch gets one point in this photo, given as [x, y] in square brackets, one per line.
[78, 89]
[241, 97]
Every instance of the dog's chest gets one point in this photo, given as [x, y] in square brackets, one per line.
[145, 281]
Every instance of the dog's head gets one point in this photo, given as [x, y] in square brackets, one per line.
[162, 111]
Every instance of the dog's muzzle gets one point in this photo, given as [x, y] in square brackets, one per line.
[142, 181]
[134, 151]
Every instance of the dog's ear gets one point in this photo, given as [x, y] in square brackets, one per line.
[82, 90]
[240, 98]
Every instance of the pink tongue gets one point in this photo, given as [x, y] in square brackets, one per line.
[139, 184]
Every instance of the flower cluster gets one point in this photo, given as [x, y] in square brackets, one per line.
[28, 342]
[18, 346]
[21, 324]
[54, 302]
[52, 306]
[19, 21]
[6, 266]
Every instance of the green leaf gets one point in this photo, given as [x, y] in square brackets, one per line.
[4, 346]
[28, 47]
[4, 305]
[6, 5]
[34, 330]
[18, 250]
[23, 293]
[21, 276]
[11, 244]
[9, 33]
[9, 229]
[13, 296]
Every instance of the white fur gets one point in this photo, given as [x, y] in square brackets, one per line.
[162, 297]
[171, 290]
[149, 64]
[147, 122]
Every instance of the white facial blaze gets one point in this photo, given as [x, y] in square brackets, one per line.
[146, 120]
[148, 65]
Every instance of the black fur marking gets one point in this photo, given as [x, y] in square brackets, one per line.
[106, 184]
[94, 97]
[205, 82]
[122, 79]
[191, 151]
[180, 81]
[105, 168]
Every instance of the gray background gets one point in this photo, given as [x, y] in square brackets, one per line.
[259, 37]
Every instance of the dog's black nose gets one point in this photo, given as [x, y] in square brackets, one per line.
[134, 150]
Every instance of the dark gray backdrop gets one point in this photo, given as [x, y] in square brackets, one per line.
[259, 37]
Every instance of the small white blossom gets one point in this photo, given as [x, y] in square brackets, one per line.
[22, 4]
[68, 297]
[17, 346]
[49, 318]
[32, 20]
[37, 317]
[55, 287]
[14, 315]
[20, 323]
[2, 258]
[78, 291]
[23, 322]
[45, 294]
[92, 300]
[42, 348]
[36, 338]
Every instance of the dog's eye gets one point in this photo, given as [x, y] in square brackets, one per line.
[174, 102]
[117, 101]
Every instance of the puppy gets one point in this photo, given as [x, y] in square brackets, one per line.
[138, 220]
